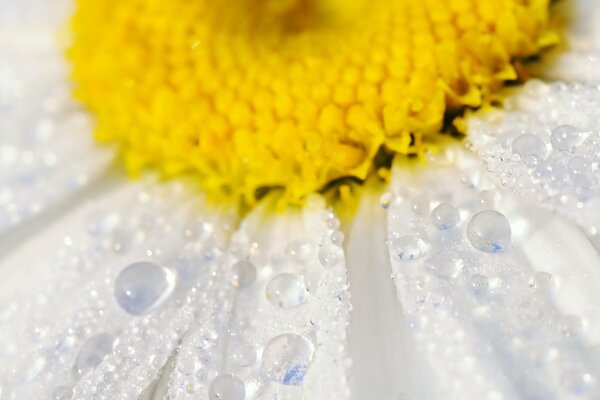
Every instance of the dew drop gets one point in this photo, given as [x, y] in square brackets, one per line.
[443, 266]
[479, 284]
[543, 283]
[92, 353]
[420, 205]
[528, 145]
[142, 286]
[387, 199]
[227, 387]
[564, 138]
[408, 247]
[243, 274]
[299, 251]
[579, 166]
[245, 355]
[330, 255]
[286, 358]
[286, 291]
[337, 238]
[186, 365]
[571, 325]
[445, 216]
[489, 231]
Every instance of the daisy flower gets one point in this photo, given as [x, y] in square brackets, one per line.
[299, 199]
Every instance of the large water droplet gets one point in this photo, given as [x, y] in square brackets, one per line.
[227, 387]
[409, 247]
[245, 355]
[286, 291]
[243, 274]
[92, 353]
[445, 216]
[286, 358]
[489, 231]
[142, 286]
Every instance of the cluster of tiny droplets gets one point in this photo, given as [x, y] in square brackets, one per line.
[37, 154]
[545, 146]
[152, 279]
[285, 300]
[77, 317]
[486, 323]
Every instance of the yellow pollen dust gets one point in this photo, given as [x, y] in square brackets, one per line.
[294, 94]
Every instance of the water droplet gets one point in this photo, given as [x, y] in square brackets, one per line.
[479, 284]
[286, 358]
[579, 166]
[143, 285]
[186, 365]
[245, 355]
[337, 238]
[409, 247]
[299, 251]
[387, 199]
[570, 325]
[445, 216]
[333, 223]
[443, 266]
[528, 145]
[243, 274]
[227, 387]
[102, 224]
[564, 138]
[330, 255]
[286, 291]
[543, 283]
[92, 353]
[489, 231]
[420, 205]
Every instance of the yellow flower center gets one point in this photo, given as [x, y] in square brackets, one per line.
[255, 94]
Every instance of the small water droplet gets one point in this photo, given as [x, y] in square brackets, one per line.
[287, 291]
[409, 247]
[528, 145]
[489, 231]
[543, 283]
[571, 325]
[479, 284]
[92, 353]
[445, 216]
[330, 255]
[245, 355]
[299, 251]
[565, 138]
[142, 286]
[227, 387]
[243, 274]
[286, 358]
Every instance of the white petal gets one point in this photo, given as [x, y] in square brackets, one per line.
[70, 299]
[47, 151]
[484, 331]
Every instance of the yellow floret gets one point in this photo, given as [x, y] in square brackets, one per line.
[255, 94]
